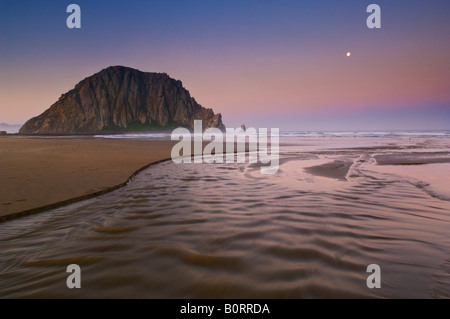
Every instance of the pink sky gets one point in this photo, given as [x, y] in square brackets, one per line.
[239, 62]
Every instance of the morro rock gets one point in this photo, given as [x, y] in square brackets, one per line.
[121, 99]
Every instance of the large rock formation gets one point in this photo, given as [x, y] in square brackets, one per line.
[120, 99]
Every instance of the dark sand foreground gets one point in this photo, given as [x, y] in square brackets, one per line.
[36, 172]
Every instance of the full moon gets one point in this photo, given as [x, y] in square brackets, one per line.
[349, 54]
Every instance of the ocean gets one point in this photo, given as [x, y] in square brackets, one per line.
[411, 133]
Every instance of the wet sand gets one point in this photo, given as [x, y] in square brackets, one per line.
[336, 169]
[413, 158]
[38, 172]
[227, 231]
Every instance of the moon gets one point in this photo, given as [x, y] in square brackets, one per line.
[349, 53]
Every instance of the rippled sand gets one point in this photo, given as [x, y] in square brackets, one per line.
[225, 230]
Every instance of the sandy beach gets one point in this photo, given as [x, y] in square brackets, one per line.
[37, 172]
[335, 206]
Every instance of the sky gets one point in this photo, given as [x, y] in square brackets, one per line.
[263, 63]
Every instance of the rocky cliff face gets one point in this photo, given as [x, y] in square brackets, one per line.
[122, 99]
